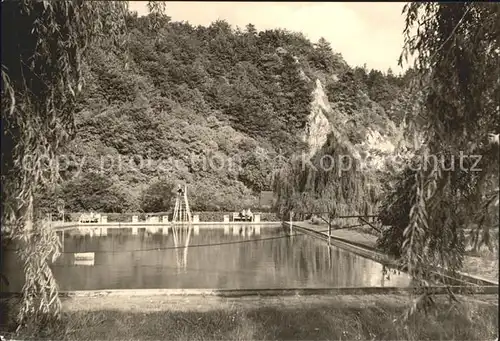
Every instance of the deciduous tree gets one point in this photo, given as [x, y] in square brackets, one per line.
[44, 47]
[458, 72]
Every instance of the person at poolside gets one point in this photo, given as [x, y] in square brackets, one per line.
[249, 215]
[242, 214]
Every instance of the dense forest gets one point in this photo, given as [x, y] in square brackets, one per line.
[180, 93]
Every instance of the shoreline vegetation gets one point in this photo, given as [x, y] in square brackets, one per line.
[345, 317]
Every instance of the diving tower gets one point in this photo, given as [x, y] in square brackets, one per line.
[182, 213]
[181, 227]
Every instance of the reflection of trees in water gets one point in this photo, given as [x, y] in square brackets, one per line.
[349, 268]
[118, 261]
[313, 264]
[244, 265]
[181, 236]
[285, 262]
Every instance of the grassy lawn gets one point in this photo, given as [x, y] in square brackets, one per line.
[369, 317]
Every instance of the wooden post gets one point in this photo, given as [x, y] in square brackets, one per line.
[291, 217]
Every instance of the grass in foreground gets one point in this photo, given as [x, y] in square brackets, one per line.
[287, 318]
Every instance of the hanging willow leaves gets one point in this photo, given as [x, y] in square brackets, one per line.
[459, 77]
[330, 182]
[43, 63]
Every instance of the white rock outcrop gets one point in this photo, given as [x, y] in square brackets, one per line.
[318, 127]
[375, 153]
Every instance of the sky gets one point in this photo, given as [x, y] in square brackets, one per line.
[363, 32]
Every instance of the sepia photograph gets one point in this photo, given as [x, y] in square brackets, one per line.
[198, 170]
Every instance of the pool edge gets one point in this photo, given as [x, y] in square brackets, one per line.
[373, 254]
[439, 290]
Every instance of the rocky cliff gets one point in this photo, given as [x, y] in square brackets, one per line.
[318, 126]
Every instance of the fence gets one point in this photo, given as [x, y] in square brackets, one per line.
[204, 216]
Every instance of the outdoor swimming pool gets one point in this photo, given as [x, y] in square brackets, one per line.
[238, 257]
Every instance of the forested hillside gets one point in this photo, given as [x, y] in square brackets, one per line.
[179, 93]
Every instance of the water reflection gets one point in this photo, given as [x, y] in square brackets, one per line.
[181, 235]
[233, 257]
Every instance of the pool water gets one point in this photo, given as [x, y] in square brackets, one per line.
[240, 257]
